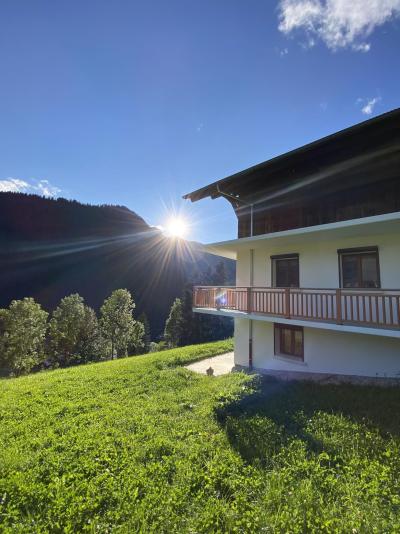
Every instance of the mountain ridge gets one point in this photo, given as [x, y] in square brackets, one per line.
[53, 247]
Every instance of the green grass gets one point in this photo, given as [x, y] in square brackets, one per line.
[144, 445]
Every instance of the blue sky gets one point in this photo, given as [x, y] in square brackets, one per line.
[137, 103]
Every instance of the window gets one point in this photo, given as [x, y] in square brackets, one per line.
[285, 270]
[289, 341]
[359, 268]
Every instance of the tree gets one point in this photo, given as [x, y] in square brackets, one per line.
[174, 325]
[22, 336]
[117, 323]
[91, 345]
[136, 340]
[153, 346]
[66, 329]
[4, 364]
[189, 322]
[146, 335]
[198, 328]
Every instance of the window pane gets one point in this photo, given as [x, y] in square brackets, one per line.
[369, 270]
[360, 269]
[350, 270]
[298, 342]
[281, 273]
[286, 341]
[289, 341]
[287, 272]
[293, 280]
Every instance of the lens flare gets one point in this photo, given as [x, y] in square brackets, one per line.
[176, 227]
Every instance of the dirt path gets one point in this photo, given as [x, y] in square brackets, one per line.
[221, 364]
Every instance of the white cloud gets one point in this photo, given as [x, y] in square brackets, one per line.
[362, 47]
[39, 187]
[338, 23]
[12, 184]
[45, 188]
[369, 105]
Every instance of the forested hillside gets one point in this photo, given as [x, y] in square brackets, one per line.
[50, 248]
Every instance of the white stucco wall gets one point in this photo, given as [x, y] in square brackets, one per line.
[243, 268]
[324, 352]
[319, 261]
[241, 339]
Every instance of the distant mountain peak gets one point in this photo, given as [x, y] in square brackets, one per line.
[33, 217]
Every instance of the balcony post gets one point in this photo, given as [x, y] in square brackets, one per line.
[249, 302]
[217, 303]
[287, 303]
[338, 306]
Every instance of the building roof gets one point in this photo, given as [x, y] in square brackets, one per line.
[359, 137]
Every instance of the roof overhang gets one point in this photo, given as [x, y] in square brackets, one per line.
[236, 187]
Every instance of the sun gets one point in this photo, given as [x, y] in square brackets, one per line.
[176, 227]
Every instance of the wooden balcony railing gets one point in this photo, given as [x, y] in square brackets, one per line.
[378, 308]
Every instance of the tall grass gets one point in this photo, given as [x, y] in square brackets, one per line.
[145, 445]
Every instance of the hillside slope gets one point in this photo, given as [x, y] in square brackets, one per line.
[50, 248]
[144, 445]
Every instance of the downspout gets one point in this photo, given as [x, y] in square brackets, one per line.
[250, 308]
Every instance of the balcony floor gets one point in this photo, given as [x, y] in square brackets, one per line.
[384, 332]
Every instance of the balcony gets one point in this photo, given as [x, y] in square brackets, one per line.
[373, 308]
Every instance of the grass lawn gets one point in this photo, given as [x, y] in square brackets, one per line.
[144, 445]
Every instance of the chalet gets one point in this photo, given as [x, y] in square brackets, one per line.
[318, 256]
